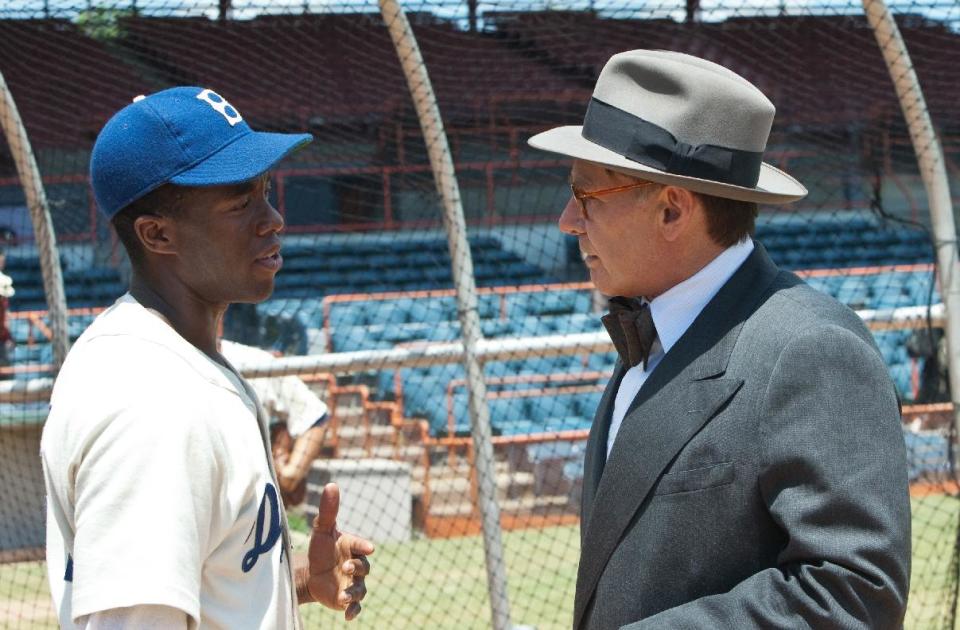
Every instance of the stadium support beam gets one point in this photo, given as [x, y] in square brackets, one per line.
[693, 10]
[933, 171]
[441, 162]
[43, 232]
[223, 10]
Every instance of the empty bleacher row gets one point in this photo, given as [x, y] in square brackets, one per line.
[830, 241]
[50, 66]
[382, 265]
[833, 48]
[421, 265]
[85, 287]
[309, 272]
[373, 266]
[544, 50]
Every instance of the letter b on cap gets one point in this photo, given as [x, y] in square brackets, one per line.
[221, 105]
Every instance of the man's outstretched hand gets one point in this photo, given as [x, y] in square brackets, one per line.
[337, 563]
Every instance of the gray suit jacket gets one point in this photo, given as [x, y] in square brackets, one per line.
[759, 479]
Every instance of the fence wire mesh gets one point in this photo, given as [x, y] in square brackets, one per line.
[367, 262]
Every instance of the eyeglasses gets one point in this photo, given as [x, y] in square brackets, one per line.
[582, 195]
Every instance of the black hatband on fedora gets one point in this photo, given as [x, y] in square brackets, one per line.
[652, 145]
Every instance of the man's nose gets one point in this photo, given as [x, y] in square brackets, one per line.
[571, 219]
[272, 220]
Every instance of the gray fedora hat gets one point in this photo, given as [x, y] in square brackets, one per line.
[675, 119]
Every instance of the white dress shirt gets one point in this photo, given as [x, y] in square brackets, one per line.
[673, 312]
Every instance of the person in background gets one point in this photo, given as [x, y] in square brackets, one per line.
[930, 345]
[6, 292]
[298, 420]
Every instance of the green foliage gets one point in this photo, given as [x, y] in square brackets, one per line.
[102, 23]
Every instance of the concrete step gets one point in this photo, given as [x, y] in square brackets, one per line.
[349, 415]
[407, 453]
[445, 491]
[359, 432]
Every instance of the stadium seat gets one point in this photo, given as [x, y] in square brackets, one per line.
[902, 374]
[928, 456]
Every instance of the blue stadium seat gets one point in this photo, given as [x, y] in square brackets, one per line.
[346, 314]
[602, 362]
[902, 374]
[37, 353]
[573, 471]
[20, 330]
[488, 306]
[359, 338]
[501, 369]
[547, 303]
[424, 391]
[891, 300]
[497, 327]
[444, 331]
[562, 449]
[928, 455]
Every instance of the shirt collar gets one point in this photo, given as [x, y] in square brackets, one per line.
[130, 317]
[675, 310]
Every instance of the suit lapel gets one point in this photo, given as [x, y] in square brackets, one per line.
[596, 452]
[681, 395]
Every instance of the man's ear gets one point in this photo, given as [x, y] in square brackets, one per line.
[676, 213]
[156, 234]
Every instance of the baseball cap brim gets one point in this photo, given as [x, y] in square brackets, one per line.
[243, 159]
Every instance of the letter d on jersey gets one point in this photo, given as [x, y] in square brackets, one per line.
[221, 105]
[263, 542]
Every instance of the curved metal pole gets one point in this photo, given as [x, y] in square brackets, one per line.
[43, 232]
[933, 170]
[443, 172]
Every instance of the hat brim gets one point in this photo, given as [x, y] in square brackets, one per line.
[243, 159]
[774, 186]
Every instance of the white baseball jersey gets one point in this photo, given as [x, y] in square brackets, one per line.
[160, 486]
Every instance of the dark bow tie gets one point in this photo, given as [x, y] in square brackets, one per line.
[631, 328]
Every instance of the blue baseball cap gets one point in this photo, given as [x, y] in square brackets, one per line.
[189, 136]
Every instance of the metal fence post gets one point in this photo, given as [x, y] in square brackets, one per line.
[933, 172]
[441, 163]
[43, 231]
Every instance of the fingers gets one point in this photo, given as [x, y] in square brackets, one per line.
[357, 567]
[350, 598]
[326, 520]
[352, 611]
[357, 546]
[356, 591]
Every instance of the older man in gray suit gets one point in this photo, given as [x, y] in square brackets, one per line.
[746, 467]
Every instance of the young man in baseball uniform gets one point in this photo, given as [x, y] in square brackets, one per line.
[163, 509]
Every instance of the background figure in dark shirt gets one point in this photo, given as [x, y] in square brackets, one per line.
[930, 345]
[6, 339]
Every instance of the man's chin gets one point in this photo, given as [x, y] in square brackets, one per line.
[601, 282]
[258, 294]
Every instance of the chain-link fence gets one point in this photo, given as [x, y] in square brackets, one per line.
[367, 295]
